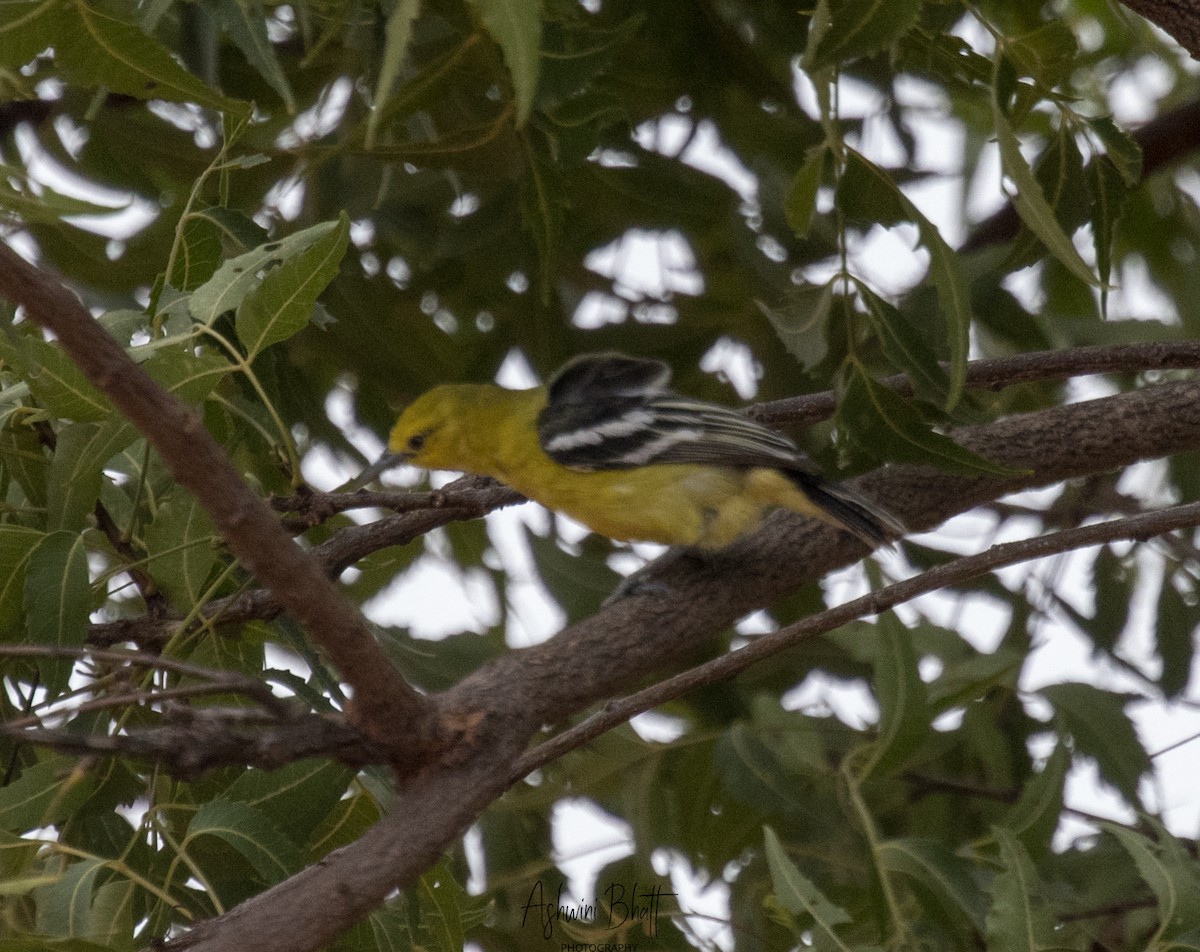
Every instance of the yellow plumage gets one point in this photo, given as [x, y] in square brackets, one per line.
[491, 431]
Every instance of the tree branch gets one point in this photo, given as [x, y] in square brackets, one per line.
[389, 711]
[498, 708]
[1139, 528]
[996, 373]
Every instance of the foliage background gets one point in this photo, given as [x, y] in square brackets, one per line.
[468, 184]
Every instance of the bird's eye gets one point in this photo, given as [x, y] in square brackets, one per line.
[415, 443]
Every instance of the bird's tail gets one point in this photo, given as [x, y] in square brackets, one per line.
[848, 510]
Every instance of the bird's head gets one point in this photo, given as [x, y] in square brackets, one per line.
[430, 433]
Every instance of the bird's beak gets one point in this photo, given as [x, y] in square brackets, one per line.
[375, 470]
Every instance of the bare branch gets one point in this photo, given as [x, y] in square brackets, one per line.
[387, 708]
[997, 373]
[204, 739]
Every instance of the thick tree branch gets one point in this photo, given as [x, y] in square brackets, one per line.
[1140, 527]
[388, 709]
[499, 708]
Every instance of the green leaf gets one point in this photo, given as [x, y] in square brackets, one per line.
[1047, 53]
[1101, 729]
[543, 200]
[800, 322]
[1018, 920]
[906, 348]
[1169, 871]
[869, 193]
[180, 544]
[26, 28]
[197, 253]
[57, 601]
[65, 908]
[801, 202]
[245, 22]
[95, 48]
[1120, 147]
[298, 797]
[1175, 632]
[516, 26]
[191, 377]
[16, 546]
[245, 828]
[797, 894]
[888, 427]
[76, 470]
[1030, 202]
[1108, 193]
[237, 277]
[442, 901]
[59, 384]
[953, 879]
[904, 716]
[853, 28]
[44, 794]
[283, 303]
[1034, 817]
[395, 45]
[1113, 579]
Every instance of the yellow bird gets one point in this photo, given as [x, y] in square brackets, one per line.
[607, 443]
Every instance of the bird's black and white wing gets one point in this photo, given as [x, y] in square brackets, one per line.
[608, 411]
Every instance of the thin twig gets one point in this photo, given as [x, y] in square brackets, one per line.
[229, 681]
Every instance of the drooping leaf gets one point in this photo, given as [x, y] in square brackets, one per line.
[516, 26]
[1101, 729]
[1019, 919]
[903, 705]
[76, 470]
[57, 601]
[95, 48]
[1175, 631]
[868, 193]
[1030, 202]
[801, 202]
[800, 322]
[395, 46]
[59, 384]
[950, 877]
[906, 348]
[263, 845]
[799, 896]
[180, 544]
[245, 22]
[1034, 817]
